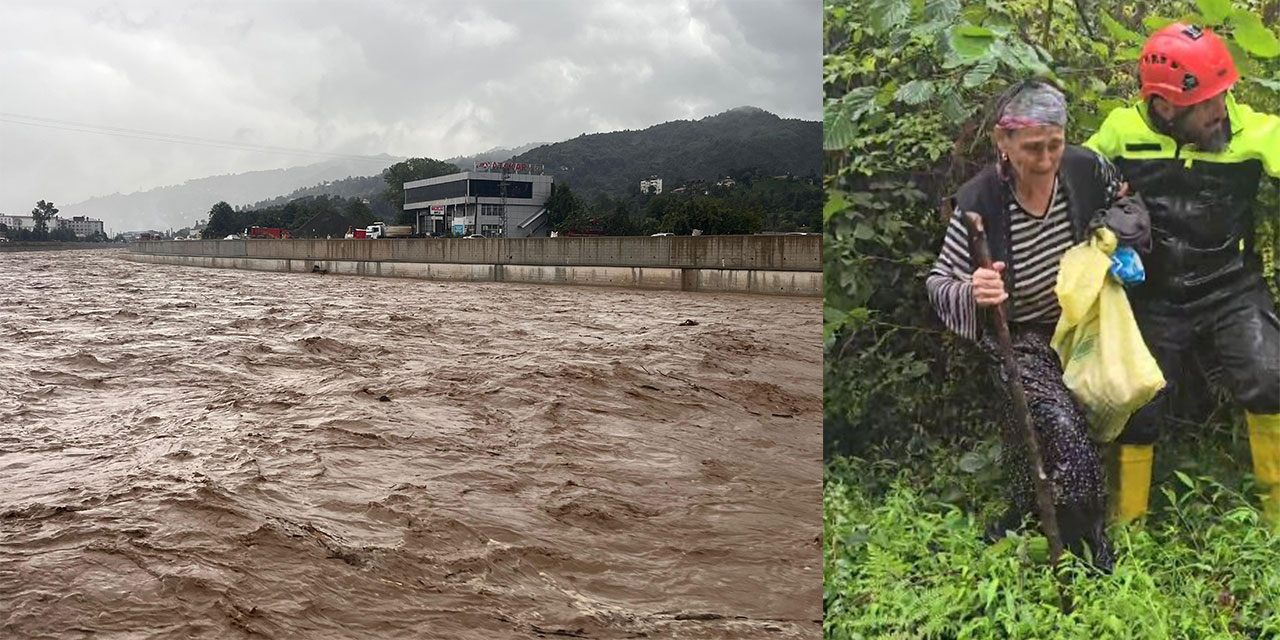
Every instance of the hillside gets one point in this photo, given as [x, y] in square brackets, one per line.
[610, 163]
[181, 205]
[684, 150]
[496, 154]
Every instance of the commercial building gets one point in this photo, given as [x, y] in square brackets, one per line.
[496, 199]
[81, 225]
[19, 222]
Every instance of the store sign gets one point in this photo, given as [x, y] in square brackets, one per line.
[518, 167]
[459, 229]
[437, 210]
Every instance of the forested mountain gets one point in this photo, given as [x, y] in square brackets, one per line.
[684, 150]
[353, 187]
[745, 139]
[181, 205]
[496, 154]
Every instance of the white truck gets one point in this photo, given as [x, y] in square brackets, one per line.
[384, 230]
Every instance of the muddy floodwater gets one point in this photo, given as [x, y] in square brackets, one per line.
[203, 453]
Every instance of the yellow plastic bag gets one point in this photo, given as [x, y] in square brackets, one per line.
[1105, 363]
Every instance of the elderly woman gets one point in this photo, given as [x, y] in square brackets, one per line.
[1036, 200]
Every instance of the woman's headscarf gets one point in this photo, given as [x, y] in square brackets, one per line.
[1031, 103]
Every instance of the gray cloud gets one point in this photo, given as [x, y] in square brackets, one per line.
[406, 78]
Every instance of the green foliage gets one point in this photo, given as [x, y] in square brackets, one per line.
[903, 558]
[223, 221]
[408, 171]
[363, 188]
[40, 216]
[563, 205]
[705, 149]
[907, 87]
[332, 214]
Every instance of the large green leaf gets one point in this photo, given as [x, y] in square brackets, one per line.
[861, 101]
[1214, 11]
[1021, 57]
[836, 203]
[915, 92]
[838, 117]
[887, 15]
[953, 108]
[1119, 31]
[1155, 23]
[980, 72]
[941, 10]
[1245, 64]
[1273, 85]
[975, 31]
[1125, 54]
[1254, 36]
[971, 42]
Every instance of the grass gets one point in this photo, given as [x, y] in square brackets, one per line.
[903, 556]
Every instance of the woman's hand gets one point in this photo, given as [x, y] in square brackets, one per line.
[988, 287]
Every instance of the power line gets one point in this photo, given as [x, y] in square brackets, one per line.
[139, 134]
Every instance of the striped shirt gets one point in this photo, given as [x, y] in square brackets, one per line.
[1036, 250]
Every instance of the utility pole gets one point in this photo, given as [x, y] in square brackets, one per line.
[503, 192]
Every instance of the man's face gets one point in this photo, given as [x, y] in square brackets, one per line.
[1203, 124]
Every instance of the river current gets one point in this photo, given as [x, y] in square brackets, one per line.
[202, 453]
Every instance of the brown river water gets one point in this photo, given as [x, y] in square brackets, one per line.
[203, 453]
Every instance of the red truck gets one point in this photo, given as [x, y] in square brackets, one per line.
[269, 232]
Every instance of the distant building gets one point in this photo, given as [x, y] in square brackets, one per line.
[474, 202]
[18, 222]
[654, 181]
[726, 182]
[81, 225]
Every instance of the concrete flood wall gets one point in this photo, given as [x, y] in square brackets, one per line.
[781, 265]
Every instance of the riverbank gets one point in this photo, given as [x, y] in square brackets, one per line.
[773, 265]
[6, 247]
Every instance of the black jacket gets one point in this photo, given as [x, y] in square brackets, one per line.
[1086, 178]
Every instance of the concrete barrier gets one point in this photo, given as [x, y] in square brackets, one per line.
[779, 265]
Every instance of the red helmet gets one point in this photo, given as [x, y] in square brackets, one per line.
[1185, 65]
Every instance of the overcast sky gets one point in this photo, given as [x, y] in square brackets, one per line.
[412, 78]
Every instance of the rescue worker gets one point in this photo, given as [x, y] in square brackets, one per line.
[1196, 158]
[1036, 200]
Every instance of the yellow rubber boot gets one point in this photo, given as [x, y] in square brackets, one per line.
[1132, 480]
[1264, 444]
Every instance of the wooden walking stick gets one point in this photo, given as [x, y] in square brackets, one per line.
[981, 253]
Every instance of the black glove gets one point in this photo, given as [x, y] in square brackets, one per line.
[1129, 219]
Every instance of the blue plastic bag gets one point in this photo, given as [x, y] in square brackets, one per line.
[1126, 266]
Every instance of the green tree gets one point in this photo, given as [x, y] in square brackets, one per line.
[41, 215]
[408, 171]
[222, 221]
[359, 211]
[562, 206]
[618, 223]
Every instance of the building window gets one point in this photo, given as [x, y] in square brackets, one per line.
[455, 189]
[493, 189]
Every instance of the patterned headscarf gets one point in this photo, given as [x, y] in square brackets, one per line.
[1033, 104]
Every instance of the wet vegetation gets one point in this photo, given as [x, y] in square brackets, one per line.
[910, 433]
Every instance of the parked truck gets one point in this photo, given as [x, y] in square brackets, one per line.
[384, 230]
[268, 232]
